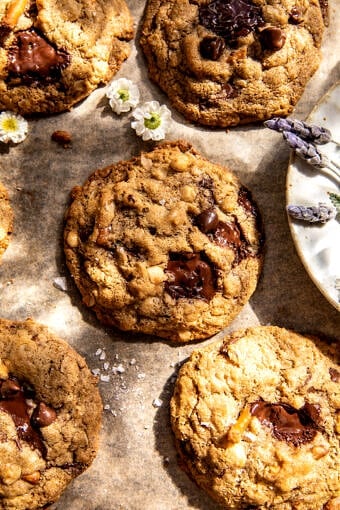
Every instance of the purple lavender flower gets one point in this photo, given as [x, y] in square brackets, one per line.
[312, 214]
[308, 132]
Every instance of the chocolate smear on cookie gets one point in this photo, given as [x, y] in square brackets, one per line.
[231, 19]
[32, 59]
[189, 276]
[296, 426]
[14, 401]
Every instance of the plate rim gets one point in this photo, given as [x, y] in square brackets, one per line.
[299, 250]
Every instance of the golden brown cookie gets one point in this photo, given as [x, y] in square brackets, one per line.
[50, 414]
[54, 53]
[229, 62]
[6, 219]
[256, 419]
[167, 244]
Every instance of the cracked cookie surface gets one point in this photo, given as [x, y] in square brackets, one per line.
[256, 420]
[224, 63]
[168, 244]
[6, 219]
[50, 415]
[55, 53]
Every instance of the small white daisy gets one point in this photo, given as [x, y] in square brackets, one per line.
[152, 120]
[13, 127]
[123, 95]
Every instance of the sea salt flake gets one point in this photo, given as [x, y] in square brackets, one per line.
[105, 378]
[106, 366]
[157, 402]
[96, 371]
[99, 351]
[60, 283]
[141, 376]
[205, 424]
[119, 369]
[102, 356]
[107, 407]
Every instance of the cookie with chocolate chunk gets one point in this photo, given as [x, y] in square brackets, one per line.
[256, 420]
[50, 414]
[6, 219]
[229, 62]
[168, 244]
[53, 54]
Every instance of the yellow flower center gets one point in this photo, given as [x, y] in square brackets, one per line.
[9, 125]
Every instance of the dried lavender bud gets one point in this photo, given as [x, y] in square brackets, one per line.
[313, 214]
[305, 150]
[335, 199]
[308, 132]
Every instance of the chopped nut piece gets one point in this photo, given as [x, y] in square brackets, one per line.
[188, 193]
[15, 9]
[72, 239]
[62, 138]
[156, 274]
[180, 163]
[237, 430]
[32, 478]
[319, 451]
[3, 371]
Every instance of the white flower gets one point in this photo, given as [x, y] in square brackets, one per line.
[152, 121]
[123, 95]
[13, 127]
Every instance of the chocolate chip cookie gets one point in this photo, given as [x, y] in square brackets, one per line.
[6, 219]
[230, 62]
[50, 413]
[167, 244]
[53, 54]
[256, 419]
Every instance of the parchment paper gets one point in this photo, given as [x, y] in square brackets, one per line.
[136, 467]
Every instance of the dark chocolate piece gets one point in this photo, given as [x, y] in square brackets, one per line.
[190, 277]
[33, 59]
[272, 38]
[231, 19]
[296, 426]
[212, 48]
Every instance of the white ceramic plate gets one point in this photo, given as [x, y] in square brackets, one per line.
[318, 245]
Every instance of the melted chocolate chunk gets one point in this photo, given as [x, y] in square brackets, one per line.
[207, 220]
[272, 38]
[295, 16]
[223, 233]
[227, 234]
[190, 277]
[43, 415]
[296, 426]
[334, 374]
[16, 406]
[33, 59]
[244, 199]
[212, 48]
[231, 19]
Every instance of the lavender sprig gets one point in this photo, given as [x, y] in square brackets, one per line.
[309, 153]
[308, 132]
[312, 214]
